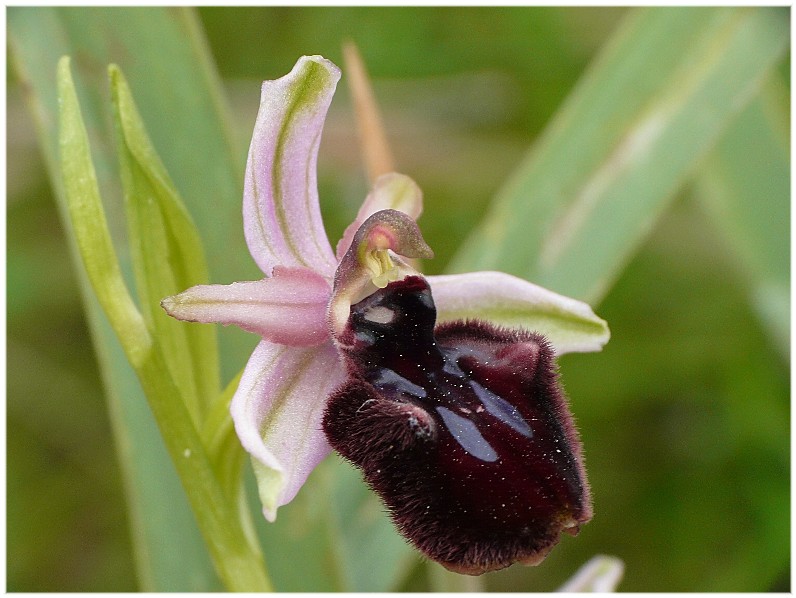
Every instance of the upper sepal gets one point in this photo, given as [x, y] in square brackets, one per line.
[281, 213]
[391, 191]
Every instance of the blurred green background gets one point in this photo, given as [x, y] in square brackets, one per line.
[685, 415]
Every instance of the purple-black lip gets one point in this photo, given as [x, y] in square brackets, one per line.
[462, 429]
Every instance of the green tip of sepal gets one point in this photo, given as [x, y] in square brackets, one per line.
[269, 486]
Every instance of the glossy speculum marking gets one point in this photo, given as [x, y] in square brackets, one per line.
[461, 428]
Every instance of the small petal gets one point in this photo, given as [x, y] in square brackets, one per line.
[371, 261]
[601, 574]
[288, 308]
[570, 325]
[391, 191]
[281, 215]
[277, 411]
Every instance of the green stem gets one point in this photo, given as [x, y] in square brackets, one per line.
[240, 564]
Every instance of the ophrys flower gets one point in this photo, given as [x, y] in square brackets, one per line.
[321, 312]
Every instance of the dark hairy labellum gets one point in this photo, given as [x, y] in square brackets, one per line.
[462, 429]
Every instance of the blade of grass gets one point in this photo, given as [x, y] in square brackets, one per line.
[162, 45]
[167, 253]
[745, 186]
[654, 102]
[372, 138]
[164, 56]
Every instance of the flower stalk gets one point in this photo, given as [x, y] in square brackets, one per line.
[239, 562]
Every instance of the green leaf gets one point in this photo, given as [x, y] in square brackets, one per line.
[89, 226]
[166, 47]
[165, 59]
[237, 559]
[90, 236]
[652, 104]
[745, 185]
[301, 528]
[340, 528]
[370, 554]
[167, 253]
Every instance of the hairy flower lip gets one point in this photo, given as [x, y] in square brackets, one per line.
[463, 472]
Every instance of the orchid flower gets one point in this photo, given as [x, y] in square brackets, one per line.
[348, 336]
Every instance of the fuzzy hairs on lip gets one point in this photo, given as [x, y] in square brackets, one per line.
[462, 429]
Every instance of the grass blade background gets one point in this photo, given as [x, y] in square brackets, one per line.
[160, 45]
[745, 186]
[654, 103]
[341, 530]
[163, 55]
